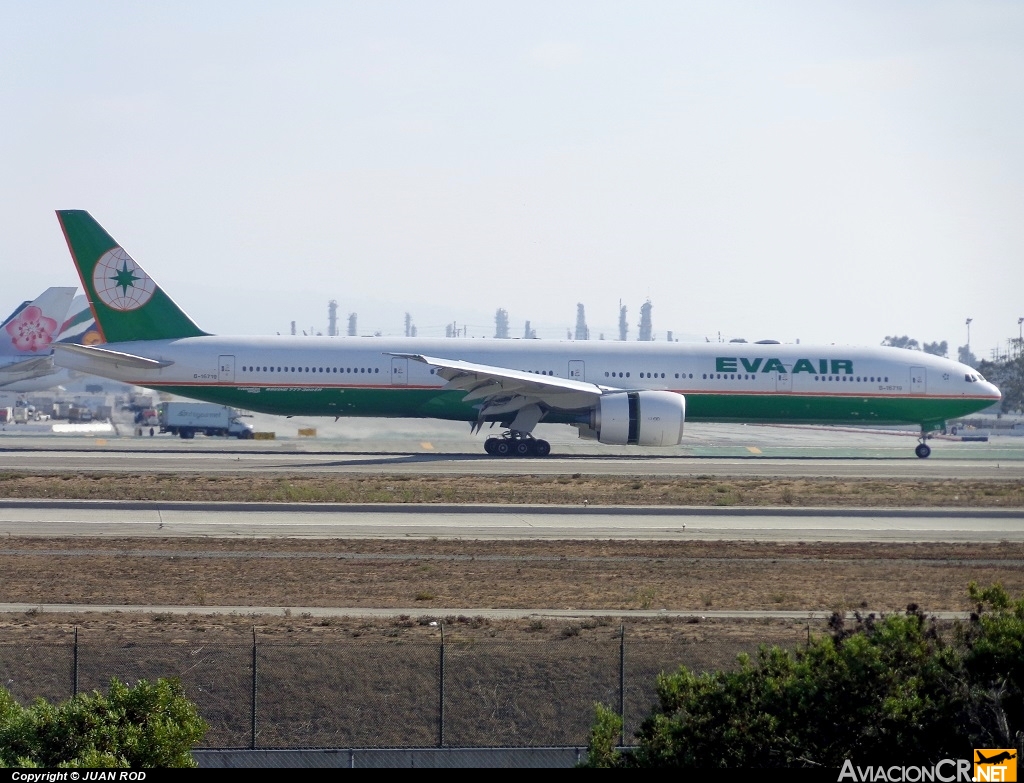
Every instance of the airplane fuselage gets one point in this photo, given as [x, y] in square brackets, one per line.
[729, 382]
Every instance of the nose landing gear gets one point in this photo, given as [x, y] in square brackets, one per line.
[923, 450]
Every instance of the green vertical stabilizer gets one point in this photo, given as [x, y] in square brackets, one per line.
[127, 304]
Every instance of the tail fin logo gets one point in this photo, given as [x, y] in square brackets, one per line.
[120, 283]
[31, 331]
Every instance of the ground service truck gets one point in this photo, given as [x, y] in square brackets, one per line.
[187, 418]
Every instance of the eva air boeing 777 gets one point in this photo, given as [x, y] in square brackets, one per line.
[636, 393]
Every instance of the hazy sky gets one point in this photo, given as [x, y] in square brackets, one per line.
[822, 171]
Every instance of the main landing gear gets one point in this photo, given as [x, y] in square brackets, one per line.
[517, 444]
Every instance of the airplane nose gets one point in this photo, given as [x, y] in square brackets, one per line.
[992, 391]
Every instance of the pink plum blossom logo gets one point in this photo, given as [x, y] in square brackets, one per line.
[121, 283]
[31, 331]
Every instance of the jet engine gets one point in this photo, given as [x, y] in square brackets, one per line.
[646, 418]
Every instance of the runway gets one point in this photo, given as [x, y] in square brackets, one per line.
[295, 520]
[440, 448]
[106, 459]
[431, 447]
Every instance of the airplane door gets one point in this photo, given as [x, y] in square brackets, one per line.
[226, 369]
[783, 381]
[577, 370]
[399, 371]
[918, 380]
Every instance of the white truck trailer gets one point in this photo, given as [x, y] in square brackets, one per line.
[185, 419]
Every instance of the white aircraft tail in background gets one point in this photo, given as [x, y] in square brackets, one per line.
[28, 335]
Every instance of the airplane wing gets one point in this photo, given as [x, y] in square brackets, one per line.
[35, 364]
[108, 358]
[503, 391]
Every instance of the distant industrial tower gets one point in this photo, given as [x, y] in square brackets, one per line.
[501, 324]
[352, 325]
[646, 330]
[293, 328]
[528, 333]
[332, 318]
[410, 329]
[582, 331]
[623, 323]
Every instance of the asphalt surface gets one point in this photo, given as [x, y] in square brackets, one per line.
[511, 523]
[110, 459]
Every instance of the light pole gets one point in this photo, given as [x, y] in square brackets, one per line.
[1020, 336]
[969, 339]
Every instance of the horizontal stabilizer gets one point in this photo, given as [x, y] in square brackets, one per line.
[108, 358]
[40, 364]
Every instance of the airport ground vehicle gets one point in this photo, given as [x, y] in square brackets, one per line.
[185, 419]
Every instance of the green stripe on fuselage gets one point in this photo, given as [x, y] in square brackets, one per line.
[827, 409]
[441, 404]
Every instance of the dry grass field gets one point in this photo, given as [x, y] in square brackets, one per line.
[435, 577]
[571, 489]
[341, 681]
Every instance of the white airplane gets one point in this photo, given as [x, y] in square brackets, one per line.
[27, 338]
[616, 392]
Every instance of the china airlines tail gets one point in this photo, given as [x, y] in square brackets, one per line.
[32, 329]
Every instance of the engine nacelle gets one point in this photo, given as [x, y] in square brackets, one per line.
[646, 418]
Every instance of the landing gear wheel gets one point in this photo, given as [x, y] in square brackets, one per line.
[923, 450]
[517, 444]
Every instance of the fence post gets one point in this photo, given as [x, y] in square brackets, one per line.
[440, 708]
[252, 716]
[622, 684]
[74, 667]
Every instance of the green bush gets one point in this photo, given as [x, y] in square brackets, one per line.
[888, 689]
[150, 725]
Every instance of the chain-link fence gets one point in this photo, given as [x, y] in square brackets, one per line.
[354, 693]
